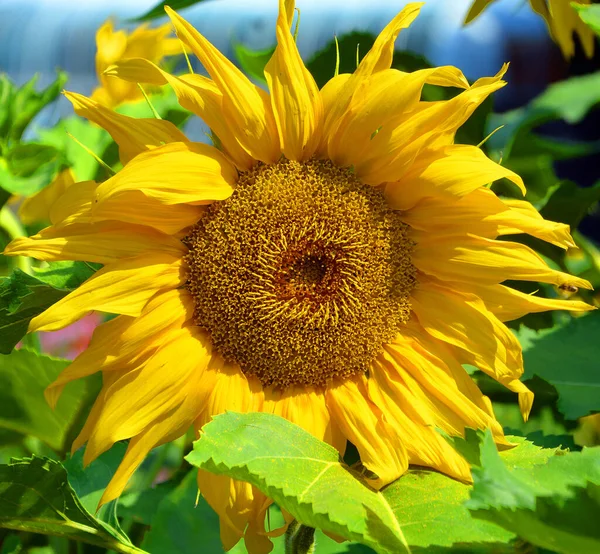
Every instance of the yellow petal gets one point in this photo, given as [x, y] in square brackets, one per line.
[383, 100]
[123, 341]
[74, 202]
[176, 173]
[392, 151]
[480, 260]
[295, 98]
[451, 172]
[103, 242]
[142, 397]
[196, 94]
[508, 304]
[424, 445]
[241, 509]
[434, 384]
[462, 320]
[246, 107]
[378, 58]
[133, 135]
[364, 425]
[36, 208]
[522, 217]
[479, 213]
[123, 287]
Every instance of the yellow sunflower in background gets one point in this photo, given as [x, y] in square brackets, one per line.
[561, 18]
[333, 261]
[112, 46]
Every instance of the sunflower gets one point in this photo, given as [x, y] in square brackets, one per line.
[562, 21]
[332, 260]
[112, 46]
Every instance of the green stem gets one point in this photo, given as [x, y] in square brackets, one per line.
[11, 224]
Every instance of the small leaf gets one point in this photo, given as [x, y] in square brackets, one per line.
[567, 357]
[553, 506]
[253, 62]
[89, 482]
[35, 497]
[23, 377]
[298, 472]
[569, 203]
[24, 103]
[180, 527]
[159, 9]
[22, 297]
[25, 159]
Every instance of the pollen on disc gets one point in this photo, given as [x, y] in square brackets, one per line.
[302, 275]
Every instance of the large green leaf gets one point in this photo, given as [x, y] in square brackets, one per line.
[159, 9]
[590, 14]
[23, 377]
[567, 357]
[35, 497]
[298, 472]
[22, 296]
[554, 505]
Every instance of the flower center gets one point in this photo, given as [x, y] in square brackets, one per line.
[302, 275]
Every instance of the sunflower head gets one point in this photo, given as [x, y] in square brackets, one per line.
[334, 260]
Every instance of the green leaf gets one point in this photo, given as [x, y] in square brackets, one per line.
[22, 296]
[590, 15]
[23, 377]
[84, 166]
[553, 506]
[26, 186]
[322, 64]
[179, 527]
[25, 159]
[159, 9]
[567, 357]
[20, 106]
[89, 482]
[253, 62]
[298, 472]
[569, 203]
[35, 497]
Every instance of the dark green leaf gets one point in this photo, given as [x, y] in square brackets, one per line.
[590, 15]
[298, 472]
[89, 482]
[180, 527]
[322, 64]
[554, 505]
[22, 297]
[253, 62]
[567, 357]
[570, 203]
[23, 377]
[35, 497]
[159, 9]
